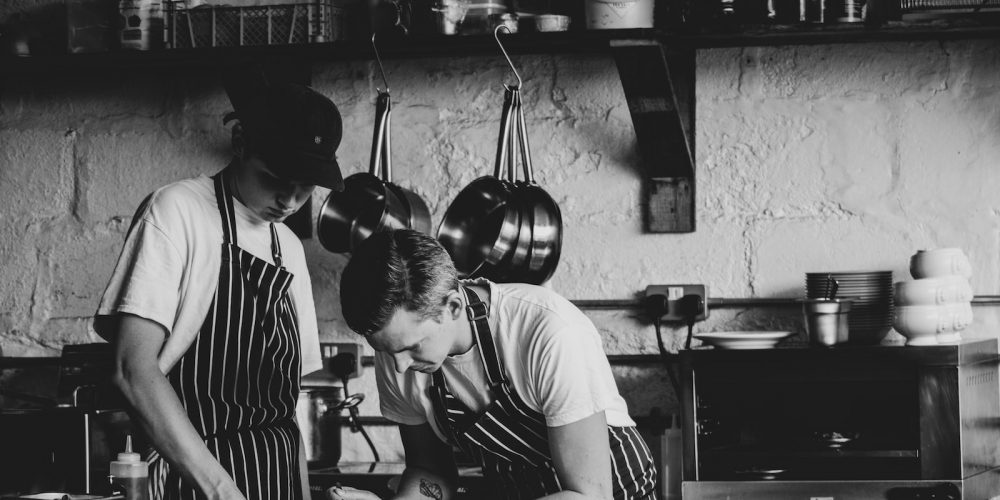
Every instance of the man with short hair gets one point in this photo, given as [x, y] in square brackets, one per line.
[512, 373]
[210, 307]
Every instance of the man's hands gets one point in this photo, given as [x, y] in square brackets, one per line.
[348, 493]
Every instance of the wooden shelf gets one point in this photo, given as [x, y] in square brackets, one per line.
[656, 67]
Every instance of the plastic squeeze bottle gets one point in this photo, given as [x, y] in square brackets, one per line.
[130, 474]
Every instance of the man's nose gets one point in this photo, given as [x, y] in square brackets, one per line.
[402, 362]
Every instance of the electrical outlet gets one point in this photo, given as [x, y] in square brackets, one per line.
[674, 294]
[331, 349]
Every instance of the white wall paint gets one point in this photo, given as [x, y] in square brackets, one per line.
[809, 158]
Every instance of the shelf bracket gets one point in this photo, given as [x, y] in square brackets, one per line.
[659, 85]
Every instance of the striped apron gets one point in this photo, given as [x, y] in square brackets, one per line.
[511, 439]
[239, 380]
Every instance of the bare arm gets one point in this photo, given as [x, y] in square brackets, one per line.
[430, 466]
[582, 458]
[159, 412]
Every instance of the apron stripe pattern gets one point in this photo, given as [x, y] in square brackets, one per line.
[512, 439]
[239, 380]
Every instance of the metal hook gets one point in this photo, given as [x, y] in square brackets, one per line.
[496, 34]
[380, 68]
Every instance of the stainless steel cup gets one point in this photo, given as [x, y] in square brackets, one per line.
[826, 320]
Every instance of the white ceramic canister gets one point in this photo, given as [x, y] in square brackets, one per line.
[142, 24]
[619, 14]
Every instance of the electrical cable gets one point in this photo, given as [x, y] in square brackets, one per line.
[356, 423]
[657, 323]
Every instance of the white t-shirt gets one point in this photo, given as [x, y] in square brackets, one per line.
[550, 350]
[168, 270]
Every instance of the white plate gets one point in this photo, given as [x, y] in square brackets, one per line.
[742, 340]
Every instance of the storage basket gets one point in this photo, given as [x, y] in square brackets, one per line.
[225, 26]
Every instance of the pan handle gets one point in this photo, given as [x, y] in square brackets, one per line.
[505, 121]
[386, 144]
[522, 132]
[512, 140]
[381, 112]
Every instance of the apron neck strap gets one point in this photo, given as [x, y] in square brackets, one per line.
[225, 202]
[478, 313]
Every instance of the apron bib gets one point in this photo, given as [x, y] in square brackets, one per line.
[239, 380]
[511, 439]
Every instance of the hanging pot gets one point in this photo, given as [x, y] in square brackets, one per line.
[506, 270]
[366, 205]
[540, 215]
[419, 215]
[480, 227]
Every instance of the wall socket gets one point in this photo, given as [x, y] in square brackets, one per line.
[674, 294]
[331, 349]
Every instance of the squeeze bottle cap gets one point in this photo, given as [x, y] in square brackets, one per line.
[128, 455]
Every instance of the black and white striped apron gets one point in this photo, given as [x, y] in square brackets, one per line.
[239, 380]
[512, 439]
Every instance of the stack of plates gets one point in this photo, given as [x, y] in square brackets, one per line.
[870, 318]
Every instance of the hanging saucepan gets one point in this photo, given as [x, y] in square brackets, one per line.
[480, 227]
[540, 213]
[506, 270]
[420, 215]
[366, 205]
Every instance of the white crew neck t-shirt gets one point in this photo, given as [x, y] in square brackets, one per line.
[552, 354]
[168, 270]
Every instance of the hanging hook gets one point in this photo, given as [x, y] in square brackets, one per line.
[496, 34]
[380, 68]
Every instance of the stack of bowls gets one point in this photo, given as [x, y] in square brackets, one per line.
[870, 317]
[936, 305]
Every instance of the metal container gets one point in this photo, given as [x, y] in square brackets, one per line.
[318, 415]
[826, 320]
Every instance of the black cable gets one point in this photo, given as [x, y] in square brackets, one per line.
[356, 423]
[687, 343]
[666, 359]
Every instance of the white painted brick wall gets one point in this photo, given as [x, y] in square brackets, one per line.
[809, 158]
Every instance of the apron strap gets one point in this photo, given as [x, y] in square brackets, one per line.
[478, 313]
[275, 247]
[225, 202]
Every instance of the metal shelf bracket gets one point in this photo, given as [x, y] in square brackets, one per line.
[659, 85]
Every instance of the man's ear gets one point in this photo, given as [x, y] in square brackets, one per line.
[454, 304]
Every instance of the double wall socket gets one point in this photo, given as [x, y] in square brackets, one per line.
[331, 349]
[673, 293]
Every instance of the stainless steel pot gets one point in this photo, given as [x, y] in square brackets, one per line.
[318, 415]
[480, 228]
[541, 214]
[366, 205]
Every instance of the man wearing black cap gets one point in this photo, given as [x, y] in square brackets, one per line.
[210, 307]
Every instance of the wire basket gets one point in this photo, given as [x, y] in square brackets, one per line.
[971, 5]
[225, 26]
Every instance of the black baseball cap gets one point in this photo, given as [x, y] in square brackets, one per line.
[297, 131]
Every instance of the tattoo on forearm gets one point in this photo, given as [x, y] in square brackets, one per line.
[430, 490]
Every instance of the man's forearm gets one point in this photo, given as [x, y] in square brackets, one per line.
[421, 484]
[162, 417]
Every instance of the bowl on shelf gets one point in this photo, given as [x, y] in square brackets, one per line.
[923, 324]
[930, 291]
[940, 262]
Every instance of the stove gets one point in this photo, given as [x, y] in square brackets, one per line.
[382, 477]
